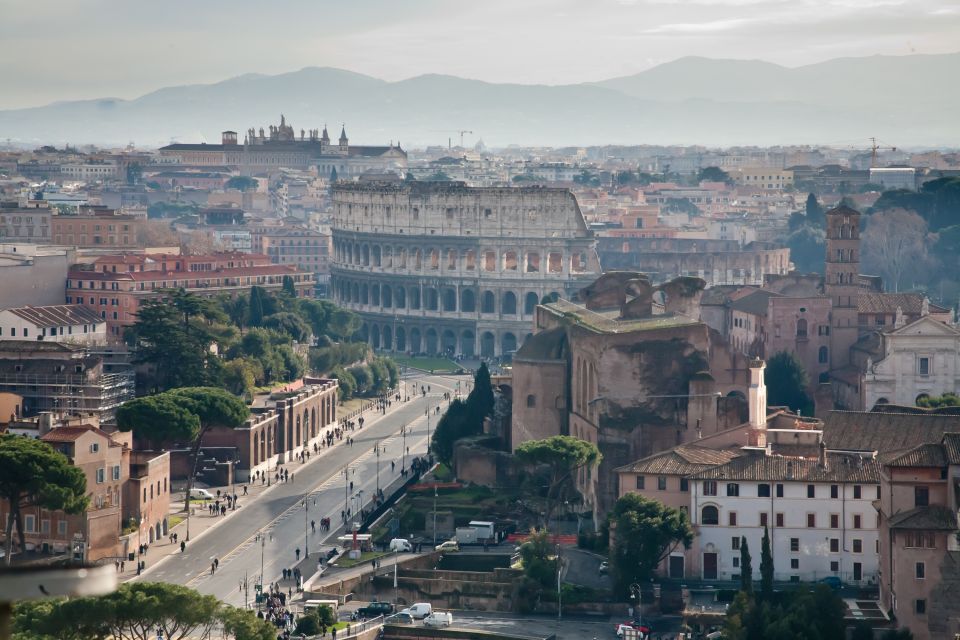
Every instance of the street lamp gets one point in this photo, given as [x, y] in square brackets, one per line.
[346, 490]
[403, 464]
[636, 597]
[434, 514]
[306, 525]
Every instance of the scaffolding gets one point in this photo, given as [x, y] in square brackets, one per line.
[67, 393]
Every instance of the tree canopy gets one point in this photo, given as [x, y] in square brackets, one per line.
[158, 419]
[33, 474]
[241, 183]
[800, 614]
[563, 456]
[713, 174]
[645, 532]
[464, 418]
[787, 381]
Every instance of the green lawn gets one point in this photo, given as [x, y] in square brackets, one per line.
[345, 562]
[437, 365]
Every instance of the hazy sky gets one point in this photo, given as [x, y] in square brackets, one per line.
[75, 49]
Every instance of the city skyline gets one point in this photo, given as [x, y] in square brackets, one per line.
[497, 42]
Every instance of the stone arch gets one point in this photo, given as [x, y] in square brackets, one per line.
[388, 256]
[365, 255]
[448, 342]
[508, 305]
[401, 339]
[387, 296]
[375, 295]
[387, 337]
[467, 340]
[921, 397]
[508, 343]
[377, 256]
[417, 259]
[510, 261]
[430, 299]
[488, 302]
[487, 344]
[431, 341]
[364, 332]
[555, 262]
[364, 294]
[882, 401]
[468, 301]
[355, 295]
[402, 257]
[416, 343]
[451, 260]
[710, 515]
[823, 355]
[400, 298]
[530, 302]
[449, 299]
[532, 262]
[375, 336]
[415, 298]
[434, 263]
[313, 422]
[296, 431]
[802, 328]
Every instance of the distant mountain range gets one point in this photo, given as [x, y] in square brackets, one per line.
[906, 101]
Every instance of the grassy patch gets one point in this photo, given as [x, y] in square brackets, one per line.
[173, 521]
[442, 473]
[436, 365]
[365, 557]
[352, 405]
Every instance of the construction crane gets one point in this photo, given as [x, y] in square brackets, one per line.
[450, 140]
[874, 147]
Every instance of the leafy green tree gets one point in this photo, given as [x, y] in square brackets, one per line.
[288, 287]
[33, 474]
[746, 567]
[343, 324]
[242, 624]
[564, 456]
[134, 173]
[644, 533]
[363, 377]
[347, 384]
[897, 634]
[480, 401]
[538, 558]
[815, 214]
[807, 249]
[333, 175]
[948, 399]
[241, 183]
[158, 419]
[766, 567]
[458, 422]
[240, 376]
[862, 631]
[787, 383]
[713, 174]
[733, 626]
[288, 323]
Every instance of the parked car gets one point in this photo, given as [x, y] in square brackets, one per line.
[633, 630]
[375, 609]
[200, 494]
[438, 619]
[401, 544]
[604, 568]
[419, 611]
[833, 582]
[399, 618]
[449, 545]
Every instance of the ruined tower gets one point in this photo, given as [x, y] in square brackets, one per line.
[841, 281]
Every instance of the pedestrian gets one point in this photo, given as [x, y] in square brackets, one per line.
[216, 562]
[213, 568]
[183, 546]
[298, 553]
[122, 566]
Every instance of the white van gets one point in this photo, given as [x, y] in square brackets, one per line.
[401, 544]
[438, 619]
[420, 610]
[200, 494]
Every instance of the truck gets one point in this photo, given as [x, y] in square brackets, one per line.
[477, 532]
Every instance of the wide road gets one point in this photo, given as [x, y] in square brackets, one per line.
[278, 517]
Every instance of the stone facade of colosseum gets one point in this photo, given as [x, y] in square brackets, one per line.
[445, 268]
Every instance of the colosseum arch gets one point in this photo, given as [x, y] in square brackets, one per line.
[375, 336]
[449, 299]
[417, 259]
[388, 256]
[488, 302]
[490, 260]
[416, 343]
[387, 296]
[508, 306]
[375, 295]
[401, 339]
[467, 340]
[377, 257]
[400, 298]
[470, 260]
[451, 259]
[430, 299]
[508, 343]
[532, 262]
[448, 342]
[431, 341]
[387, 337]
[402, 257]
[487, 344]
[364, 294]
[355, 295]
[530, 302]
[468, 301]
[510, 261]
[415, 298]
[555, 262]
[365, 255]
[364, 332]
[434, 263]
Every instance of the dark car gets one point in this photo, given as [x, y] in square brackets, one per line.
[375, 609]
[833, 582]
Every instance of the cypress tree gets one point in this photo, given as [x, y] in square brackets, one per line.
[746, 567]
[766, 567]
[256, 307]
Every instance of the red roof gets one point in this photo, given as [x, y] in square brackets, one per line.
[70, 434]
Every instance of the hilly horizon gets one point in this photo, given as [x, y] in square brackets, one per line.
[905, 100]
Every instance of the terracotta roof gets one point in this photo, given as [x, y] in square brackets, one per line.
[69, 434]
[951, 447]
[926, 455]
[935, 518]
[842, 210]
[57, 315]
[885, 433]
[681, 460]
[909, 303]
[839, 468]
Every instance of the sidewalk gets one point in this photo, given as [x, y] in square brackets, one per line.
[201, 521]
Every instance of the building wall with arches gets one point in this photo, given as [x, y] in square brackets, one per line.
[445, 268]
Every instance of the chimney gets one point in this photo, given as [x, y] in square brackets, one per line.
[822, 459]
[757, 395]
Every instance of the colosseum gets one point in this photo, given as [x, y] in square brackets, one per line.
[439, 267]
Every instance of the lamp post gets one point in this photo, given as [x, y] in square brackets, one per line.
[428, 430]
[636, 597]
[434, 515]
[559, 568]
[377, 448]
[346, 491]
[263, 544]
[403, 464]
[306, 525]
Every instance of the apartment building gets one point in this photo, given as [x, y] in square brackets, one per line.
[97, 228]
[70, 323]
[31, 223]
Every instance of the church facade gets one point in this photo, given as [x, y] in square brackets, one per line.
[280, 147]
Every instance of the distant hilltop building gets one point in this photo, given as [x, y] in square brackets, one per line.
[280, 147]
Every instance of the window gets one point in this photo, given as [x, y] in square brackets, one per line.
[811, 520]
[801, 328]
[779, 519]
[923, 368]
[710, 515]
[116, 472]
[921, 571]
[794, 563]
[709, 487]
[921, 496]
[733, 489]
[811, 491]
[857, 545]
[95, 447]
[61, 527]
[684, 484]
[45, 527]
[834, 545]
[878, 493]
[856, 521]
[732, 518]
[640, 480]
[101, 475]
[735, 543]
[30, 523]
[834, 491]
[763, 519]
[531, 401]
[857, 490]
[763, 491]
[779, 490]
[835, 566]
[736, 562]
[834, 520]
[920, 606]
[661, 483]
[794, 544]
